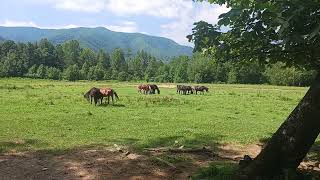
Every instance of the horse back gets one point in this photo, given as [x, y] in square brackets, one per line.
[106, 91]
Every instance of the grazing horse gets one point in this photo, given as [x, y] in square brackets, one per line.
[184, 89]
[154, 88]
[108, 92]
[95, 94]
[144, 87]
[201, 89]
[189, 89]
[179, 88]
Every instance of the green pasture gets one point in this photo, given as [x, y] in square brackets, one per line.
[53, 115]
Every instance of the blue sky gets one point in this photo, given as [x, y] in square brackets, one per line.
[167, 18]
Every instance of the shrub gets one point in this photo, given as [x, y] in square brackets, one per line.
[72, 73]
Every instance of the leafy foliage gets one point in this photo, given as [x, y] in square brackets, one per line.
[204, 36]
[271, 31]
[72, 73]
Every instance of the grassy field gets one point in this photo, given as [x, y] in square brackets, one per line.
[51, 115]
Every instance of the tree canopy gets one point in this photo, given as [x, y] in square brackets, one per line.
[270, 31]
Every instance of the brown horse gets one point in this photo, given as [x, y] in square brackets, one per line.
[108, 92]
[94, 94]
[144, 87]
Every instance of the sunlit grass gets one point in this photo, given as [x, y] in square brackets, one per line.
[54, 115]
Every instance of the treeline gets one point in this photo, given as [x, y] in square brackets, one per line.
[71, 62]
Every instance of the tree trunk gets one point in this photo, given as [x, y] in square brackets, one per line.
[291, 142]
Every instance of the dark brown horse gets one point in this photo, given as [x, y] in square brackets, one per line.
[154, 88]
[145, 88]
[94, 94]
[201, 89]
[184, 89]
[108, 92]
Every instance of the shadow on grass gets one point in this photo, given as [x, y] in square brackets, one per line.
[95, 161]
[314, 153]
[193, 141]
[20, 145]
[217, 171]
[111, 105]
[98, 161]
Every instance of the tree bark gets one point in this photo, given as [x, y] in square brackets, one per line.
[291, 142]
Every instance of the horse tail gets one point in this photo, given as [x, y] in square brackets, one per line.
[116, 95]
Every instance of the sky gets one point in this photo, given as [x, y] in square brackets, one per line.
[166, 18]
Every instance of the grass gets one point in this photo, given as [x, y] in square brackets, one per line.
[53, 115]
[217, 171]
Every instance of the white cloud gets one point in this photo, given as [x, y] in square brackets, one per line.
[15, 23]
[81, 5]
[163, 8]
[125, 26]
[67, 26]
[158, 8]
[12, 23]
[91, 6]
[182, 26]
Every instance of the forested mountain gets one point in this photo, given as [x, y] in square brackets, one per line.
[99, 38]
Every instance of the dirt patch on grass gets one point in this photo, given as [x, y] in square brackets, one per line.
[117, 163]
[236, 152]
[93, 163]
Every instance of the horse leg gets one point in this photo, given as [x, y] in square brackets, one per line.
[112, 100]
[108, 99]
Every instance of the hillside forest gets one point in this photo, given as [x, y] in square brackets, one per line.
[69, 61]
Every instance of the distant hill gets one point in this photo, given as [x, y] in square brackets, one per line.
[2, 39]
[99, 38]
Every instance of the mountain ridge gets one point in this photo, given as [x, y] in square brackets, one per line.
[99, 38]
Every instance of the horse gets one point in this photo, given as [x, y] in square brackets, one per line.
[144, 87]
[201, 89]
[154, 88]
[189, 89]
[95, 94]
[108, 92]
[179, 88]
[184, 89]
